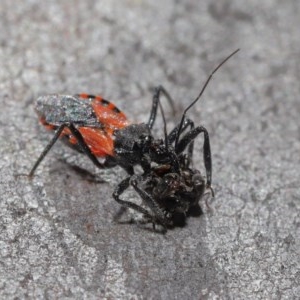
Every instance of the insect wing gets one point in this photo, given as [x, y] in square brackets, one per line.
[106, 112]
[57, 110]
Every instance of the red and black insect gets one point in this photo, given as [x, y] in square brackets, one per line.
[97, 128]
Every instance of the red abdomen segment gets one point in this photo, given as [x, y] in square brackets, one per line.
[94, 117]
[100, 143]
[107, 113]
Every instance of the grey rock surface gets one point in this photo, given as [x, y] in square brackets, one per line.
[58, 239]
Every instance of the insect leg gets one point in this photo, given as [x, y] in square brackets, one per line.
[188, 138]
[156, 98]
[150, 202]
[172, 136]
[47, 149]
[120, 189]
[85, 148]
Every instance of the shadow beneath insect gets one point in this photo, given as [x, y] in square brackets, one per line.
[140, 223]
[83, 173]
[178, 220]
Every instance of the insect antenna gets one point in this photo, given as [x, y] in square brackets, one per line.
[165, 124]
[200, 94]
[174, 159]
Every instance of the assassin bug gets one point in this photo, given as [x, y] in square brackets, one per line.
[97, 128]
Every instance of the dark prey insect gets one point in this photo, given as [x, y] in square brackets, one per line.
[171, 194]
[97, 128]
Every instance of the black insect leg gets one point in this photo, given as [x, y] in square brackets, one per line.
[188, 138]
[156, 98]
[85, 148]
[174, 132]
[150, 202]
[47, 149]
[120, 189]
[82, 144]
[172, 136]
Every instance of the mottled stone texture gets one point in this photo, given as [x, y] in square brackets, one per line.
[58, 239]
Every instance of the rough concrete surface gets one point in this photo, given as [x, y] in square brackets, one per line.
[58, 239]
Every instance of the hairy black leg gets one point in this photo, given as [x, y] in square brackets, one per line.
[156, 98]
[188, 138]
[173, 134]
[85, 148]
[122, 186]
[150, 202]
[47, 149]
